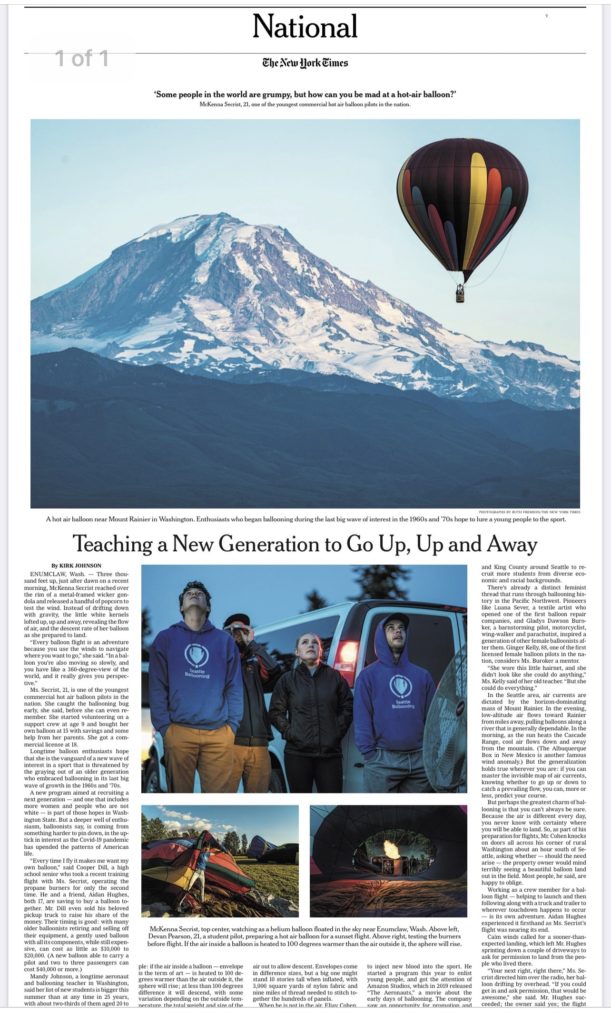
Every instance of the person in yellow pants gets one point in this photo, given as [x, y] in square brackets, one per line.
[196, 696]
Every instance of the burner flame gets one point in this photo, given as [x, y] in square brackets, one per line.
[391, 850]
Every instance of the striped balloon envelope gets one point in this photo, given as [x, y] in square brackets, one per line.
[462, 197]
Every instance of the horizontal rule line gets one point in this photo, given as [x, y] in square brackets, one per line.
[357, 53]
[248, 7]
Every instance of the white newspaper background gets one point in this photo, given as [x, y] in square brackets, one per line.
[532, 934]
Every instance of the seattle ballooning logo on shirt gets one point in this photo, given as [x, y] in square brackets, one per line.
[197, 656]
[401, 687]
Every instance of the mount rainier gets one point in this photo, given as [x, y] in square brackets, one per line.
[213, 296]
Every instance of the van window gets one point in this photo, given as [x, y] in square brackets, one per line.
[281, 642]
[430, 641]
[145, 687]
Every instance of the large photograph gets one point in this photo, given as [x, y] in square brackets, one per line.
[400, 861]
[306, 313]
[328, 679]
[213, 862]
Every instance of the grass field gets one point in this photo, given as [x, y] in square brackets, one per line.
[359, 897]
[275, 879]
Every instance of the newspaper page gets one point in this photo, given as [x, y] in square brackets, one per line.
[301, 301]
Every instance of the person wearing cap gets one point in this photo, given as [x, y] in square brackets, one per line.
[251, 761]
[196, 696]
[392, 698]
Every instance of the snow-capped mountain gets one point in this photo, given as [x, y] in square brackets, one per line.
[215, 296]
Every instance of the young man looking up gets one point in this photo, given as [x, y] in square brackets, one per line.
[392, 698]
[195, 690]
[251, 760]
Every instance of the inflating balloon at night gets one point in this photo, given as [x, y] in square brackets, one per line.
[462, 197]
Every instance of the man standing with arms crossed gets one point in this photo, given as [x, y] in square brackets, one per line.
[195, 689]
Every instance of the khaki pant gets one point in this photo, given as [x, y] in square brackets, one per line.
[253, 766]
[207, 751]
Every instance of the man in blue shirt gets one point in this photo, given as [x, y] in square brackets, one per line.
[392, 698]
[196, 696]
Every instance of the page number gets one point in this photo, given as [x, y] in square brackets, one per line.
[86, 59]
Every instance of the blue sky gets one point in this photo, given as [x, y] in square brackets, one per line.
[98, 184]
[271, 592]
[276, 824]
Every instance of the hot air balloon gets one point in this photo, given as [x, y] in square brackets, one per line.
[462, 197]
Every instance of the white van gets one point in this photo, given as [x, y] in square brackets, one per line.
[437, 633]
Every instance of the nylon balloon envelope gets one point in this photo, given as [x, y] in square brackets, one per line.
[462, 197]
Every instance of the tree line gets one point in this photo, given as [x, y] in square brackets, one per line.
[155, 828]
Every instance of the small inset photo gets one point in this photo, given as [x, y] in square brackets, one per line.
[402, 861]
[220, 861]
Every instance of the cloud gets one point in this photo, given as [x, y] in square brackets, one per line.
[178, 814]
[203, 823]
